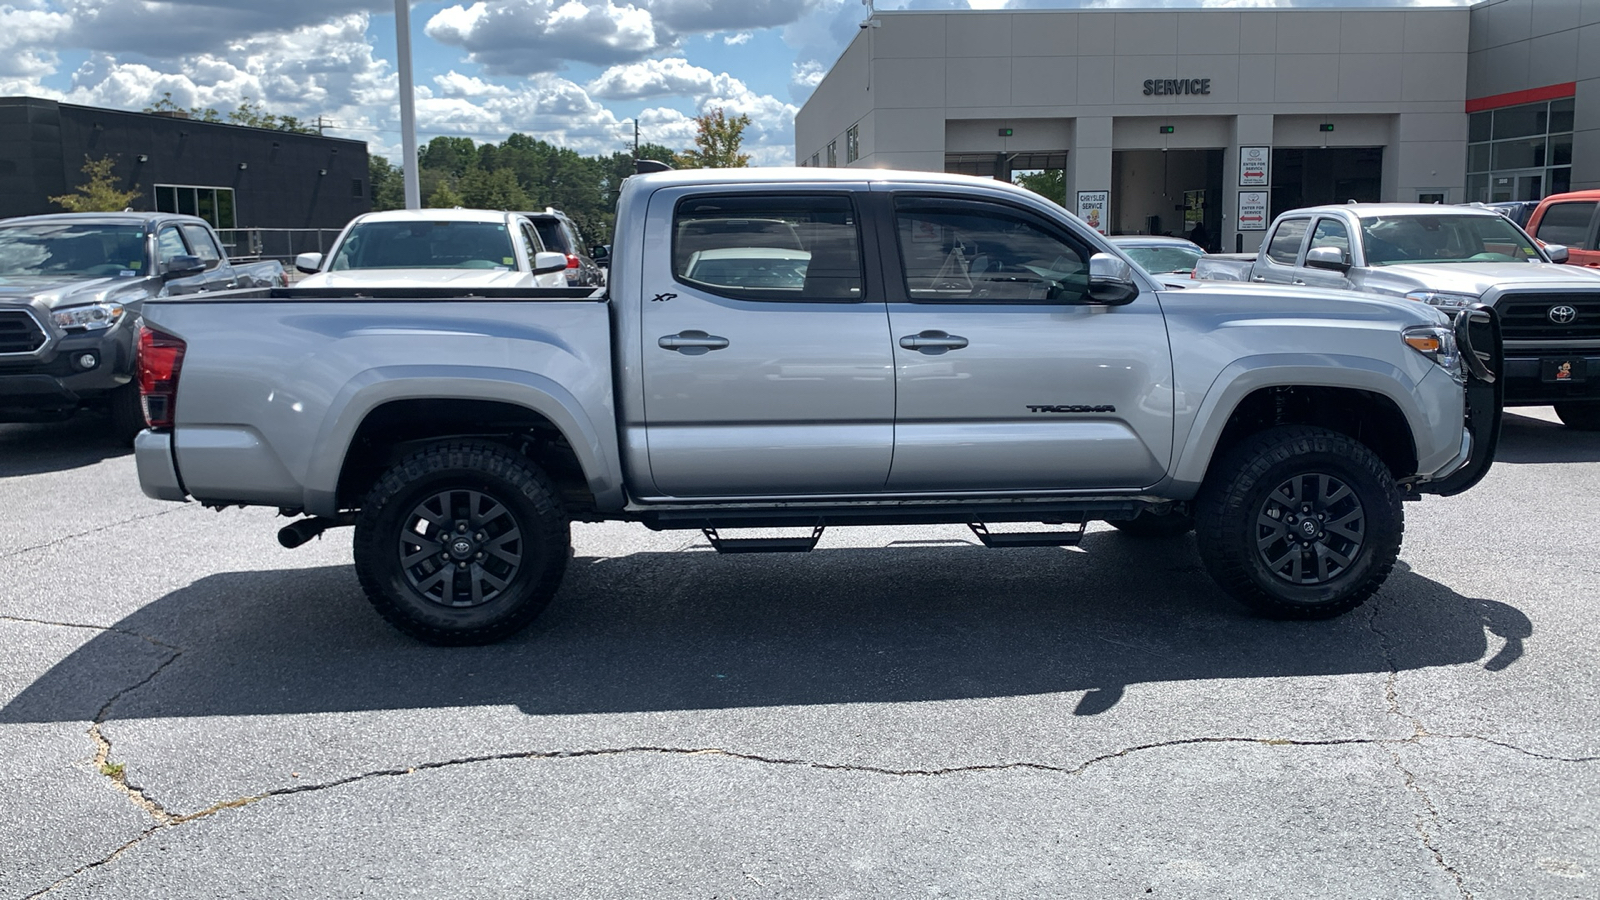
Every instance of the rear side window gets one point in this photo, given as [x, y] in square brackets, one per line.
[550, 232]
[1568, 223]
[772, 247]
[1285, 245]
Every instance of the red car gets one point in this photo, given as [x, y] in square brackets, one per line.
[1572, 220]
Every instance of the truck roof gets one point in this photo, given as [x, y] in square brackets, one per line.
[149, 219]
[1396, 209]
[809, 174]
[451, 214]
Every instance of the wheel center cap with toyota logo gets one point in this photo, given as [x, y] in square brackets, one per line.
[1563, 315]
[461, 548]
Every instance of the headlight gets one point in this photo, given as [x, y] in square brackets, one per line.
[1440, 298]
[1436, 342]
[94, 317]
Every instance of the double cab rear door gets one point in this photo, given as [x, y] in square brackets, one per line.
[888, 338]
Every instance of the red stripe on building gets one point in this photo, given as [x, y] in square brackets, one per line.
[1517, 98]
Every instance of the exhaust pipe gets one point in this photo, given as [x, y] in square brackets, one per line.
[298, 533]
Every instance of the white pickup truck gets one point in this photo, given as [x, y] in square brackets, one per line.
[1451, 257]
[910, 348]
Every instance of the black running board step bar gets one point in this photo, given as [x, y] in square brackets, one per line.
[763, 545]
[1025, 538]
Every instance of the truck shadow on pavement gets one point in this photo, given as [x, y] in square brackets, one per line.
[36, 448]
[1528, 439]
[692, 630]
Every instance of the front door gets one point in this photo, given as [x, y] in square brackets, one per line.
[1006, 380]
[766, 360]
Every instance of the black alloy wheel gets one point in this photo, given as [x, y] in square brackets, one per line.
[1310, 529]
[460, 548]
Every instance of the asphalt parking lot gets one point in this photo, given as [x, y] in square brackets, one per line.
[188, 710]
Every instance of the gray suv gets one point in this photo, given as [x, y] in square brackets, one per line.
[560, 234]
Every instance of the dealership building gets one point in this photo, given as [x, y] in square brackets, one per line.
[1162, 121]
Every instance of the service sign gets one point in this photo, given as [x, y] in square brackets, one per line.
[1252, 210]
[1255, 166]
[1094, 209]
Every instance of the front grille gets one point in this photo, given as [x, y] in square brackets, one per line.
[1526, 317]
[19, 332]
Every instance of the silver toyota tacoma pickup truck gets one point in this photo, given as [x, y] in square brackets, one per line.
[1451, 257]
[910, 348]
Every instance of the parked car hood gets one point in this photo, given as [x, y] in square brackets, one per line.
[53, 291]
[1477, 278]
[419, 278]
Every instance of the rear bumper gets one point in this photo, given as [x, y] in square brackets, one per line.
[158, 471]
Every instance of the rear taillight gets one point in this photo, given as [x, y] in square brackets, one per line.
[572, 261]
[160, 358]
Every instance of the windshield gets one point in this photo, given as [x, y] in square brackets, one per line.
[1158, 260]
[76, 249]
[426, 245]
[1444, 238]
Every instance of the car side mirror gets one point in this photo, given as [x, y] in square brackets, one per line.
[547, 262]
[1111, 280]
[1330, 258]
[182, 265]
[308, 263]
[1557, 252]
[600, 254]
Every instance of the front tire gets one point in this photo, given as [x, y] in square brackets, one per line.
[461, 543]
[1580, 414]
[127, 413]
[1299, 522]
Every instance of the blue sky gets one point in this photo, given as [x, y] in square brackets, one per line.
[572, 72]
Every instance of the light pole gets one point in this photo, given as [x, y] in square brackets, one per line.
[408, 106]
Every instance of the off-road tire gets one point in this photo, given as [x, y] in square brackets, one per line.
[1583, 415]
[127, 413]
[1147, 524]
[439, 488]
[1239, 523]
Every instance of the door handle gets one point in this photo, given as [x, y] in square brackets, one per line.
[933, 342]
[692, 342]
[1259, 278]
[1299, 281]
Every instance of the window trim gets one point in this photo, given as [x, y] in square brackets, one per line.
[1311, 236]
[895, 268]
[863, 247]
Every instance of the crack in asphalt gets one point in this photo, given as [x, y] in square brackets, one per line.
[1422, 826]
[78, 534]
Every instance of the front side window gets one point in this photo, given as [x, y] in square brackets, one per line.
[1568, 223]
[204, 246]
[1284, 248]
[169, 244]
[1331, 233]
[771, 247]
[426, 245]
[93, 250]
[1399, 240]
[964, 252]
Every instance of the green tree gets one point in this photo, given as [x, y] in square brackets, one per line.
[387, 182]
[717, 139]
[99, 193]
[492, 190]
[449, 154]
[444, 197]
[1048, 183]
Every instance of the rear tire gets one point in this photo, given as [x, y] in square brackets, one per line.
[1299, 522]
[1147, 524]
[127, 413]
[1583, 415]
[461, 542]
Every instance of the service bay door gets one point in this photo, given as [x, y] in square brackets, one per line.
[1004, 383]
[766, 360]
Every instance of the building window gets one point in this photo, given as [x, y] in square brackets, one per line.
[356, 190]
[815, 159]
[1520, 152]
[214, 204]
[833, 154]
[852, 144]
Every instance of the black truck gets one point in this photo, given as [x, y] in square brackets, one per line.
[71, 289]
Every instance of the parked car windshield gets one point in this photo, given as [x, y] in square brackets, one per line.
[75, 249]
[1444, 238]
[426, 245]
[1158, 260]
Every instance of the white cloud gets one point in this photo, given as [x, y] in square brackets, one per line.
[25, 38]
[673, 76]
[734, 40]
[528, 36]
[171, 29]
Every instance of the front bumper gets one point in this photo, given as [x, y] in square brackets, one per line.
[1483, 356]
[1526, 384]
[57, 380]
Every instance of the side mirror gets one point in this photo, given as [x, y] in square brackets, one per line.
[1557, 252]
[182, 265]
[1111, 280]
[308, 263]
[1330, 258]
[600, 254]
[547, 262]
